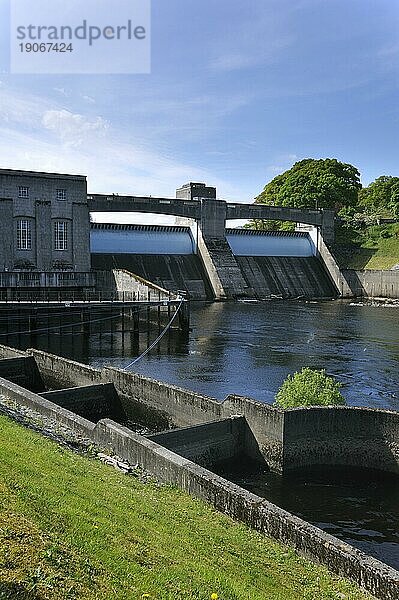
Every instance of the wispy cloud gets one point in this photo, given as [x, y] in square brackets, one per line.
[283, 162]
[38, 134]
[257, 39]
[251, 55]
[74, 129]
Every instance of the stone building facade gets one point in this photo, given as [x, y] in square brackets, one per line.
[44, 222]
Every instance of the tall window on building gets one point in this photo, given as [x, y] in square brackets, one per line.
[61, 194]
[24, 234]
[23, 192]
[61, 235]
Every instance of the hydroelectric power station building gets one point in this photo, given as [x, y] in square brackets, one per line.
[44, 225]
[47, 242]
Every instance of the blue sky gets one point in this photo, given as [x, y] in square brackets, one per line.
[238, 92]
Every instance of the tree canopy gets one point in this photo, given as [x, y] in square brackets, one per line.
[312, 183]
[381, 196]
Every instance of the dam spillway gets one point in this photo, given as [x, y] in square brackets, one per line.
[164, 255]
[283, 264]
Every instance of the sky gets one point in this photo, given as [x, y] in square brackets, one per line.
[238, 92]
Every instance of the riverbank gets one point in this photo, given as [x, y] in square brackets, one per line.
[374, 247]
[71, 527]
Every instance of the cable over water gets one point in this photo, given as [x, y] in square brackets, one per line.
[156, 342]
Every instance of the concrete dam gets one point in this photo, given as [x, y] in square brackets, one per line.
[266, 264]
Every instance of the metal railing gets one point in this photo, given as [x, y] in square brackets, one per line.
[43, 279]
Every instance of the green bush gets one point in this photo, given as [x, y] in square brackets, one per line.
[309, 388]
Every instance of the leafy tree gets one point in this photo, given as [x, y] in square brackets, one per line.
[309, 387]
[272, 225]
[381, 197]
[311, 183]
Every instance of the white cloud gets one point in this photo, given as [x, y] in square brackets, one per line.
[283, 163]
[38, 134]
[74, 129]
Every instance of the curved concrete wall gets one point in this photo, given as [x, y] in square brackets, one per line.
[141, 239]
[128, 239]
[248, 244]
[290, 439]
[353, 436]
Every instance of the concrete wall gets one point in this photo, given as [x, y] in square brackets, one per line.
[209, 443]
[42, 209]
[376, 577]
[23, 371]
[218, 291]
[175, 272]
[46, 408]
[286, 277]
[60, 373]
[283, 439]
[372, 284]
[180, 407]
[131, 287]
[265, 431]
[352, 436]
[94, 402]
[333, 269]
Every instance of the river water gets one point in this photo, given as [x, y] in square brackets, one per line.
[358, 506]
[249, 349]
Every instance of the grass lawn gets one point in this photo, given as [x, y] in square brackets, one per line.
[73, 528]
[375, 247]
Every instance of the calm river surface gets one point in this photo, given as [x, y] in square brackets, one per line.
[249, 349]
[358, 506]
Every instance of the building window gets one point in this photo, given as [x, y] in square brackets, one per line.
[61, 195]
[24, 235]
[61, 235]
[23, 192]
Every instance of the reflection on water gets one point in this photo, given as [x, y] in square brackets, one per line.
[249, 349]
[358, 506]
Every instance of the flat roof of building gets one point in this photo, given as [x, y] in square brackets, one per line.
[18, 173]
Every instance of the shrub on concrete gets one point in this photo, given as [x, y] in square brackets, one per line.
[309, 388]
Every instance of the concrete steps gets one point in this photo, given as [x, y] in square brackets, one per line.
[227, 268]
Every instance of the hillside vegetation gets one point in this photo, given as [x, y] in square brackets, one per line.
[362, 243]
[372, 247]
[72, 528]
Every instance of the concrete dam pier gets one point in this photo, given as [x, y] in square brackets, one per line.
[257, 264]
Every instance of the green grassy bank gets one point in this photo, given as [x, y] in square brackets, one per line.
[73, 528]
[374, 247]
